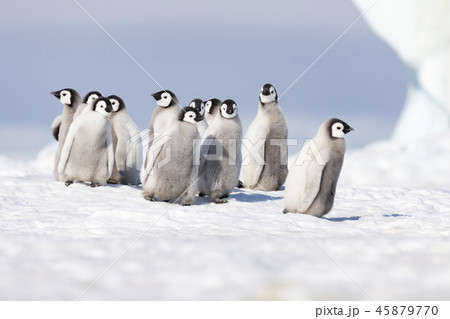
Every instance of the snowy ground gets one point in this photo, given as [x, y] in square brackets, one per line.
[380, 241]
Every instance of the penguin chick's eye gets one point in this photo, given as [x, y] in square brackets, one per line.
[165, 97]
[64, 94]
[339, 128]
[271, 91]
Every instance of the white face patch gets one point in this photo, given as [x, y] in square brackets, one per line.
[208, 106]
[115, 104]
[268, 98]
[165, 100]
[337, 130]
[100, 108]
[91, 98]
[65, 97]
[223, 111]
[190, 117]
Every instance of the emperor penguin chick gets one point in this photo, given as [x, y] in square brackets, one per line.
[265, 151]
[127, 145]
[70, 99]
[212, 109]
[163, 115]
[172, 166]
[220, 155]
[311, 183]
[200, 107]
[87, 99]
[87, 155]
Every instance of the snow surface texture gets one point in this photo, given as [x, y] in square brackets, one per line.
[380, 242]
[419, 31]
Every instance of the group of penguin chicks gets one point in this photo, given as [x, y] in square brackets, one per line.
[198, 149]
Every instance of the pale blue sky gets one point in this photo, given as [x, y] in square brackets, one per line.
[223, 49]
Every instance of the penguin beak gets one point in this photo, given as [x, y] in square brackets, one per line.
[265, 92]
[349, 129]
[108, 108]
[56, 94]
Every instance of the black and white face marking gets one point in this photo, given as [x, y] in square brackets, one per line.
[190, 115]
[163, 98]
[91, 97]
[116, 103]
[64, 95]
[228, 109]
[211, 104]
[198, 105]
[339, 128]
[102, 106]
[268, 94]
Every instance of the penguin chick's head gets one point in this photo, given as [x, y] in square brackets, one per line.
[165, 98]
[210, 105]
[116, 103]
[198, 105]
[228, 109]
[268, 94]
[66, 96]
[190, 115]
[338, 128]
[102, 105]
[91, 96]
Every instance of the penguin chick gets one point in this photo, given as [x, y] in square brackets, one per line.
[87, 155]
[212, 110]
[87, 99]
[172, 166]
[70, 99]
[127, 145]
[163, 115]
[200, 107]
[265, 150]
[220, 155]
[311, 183]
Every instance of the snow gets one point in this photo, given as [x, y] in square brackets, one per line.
[419, 32]
[386, 238]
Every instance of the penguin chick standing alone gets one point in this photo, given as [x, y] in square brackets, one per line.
[172, 166]
[311, 183]
[70, 99]
[212, 107]
[163, 115]
[87, 99]
[220, 155]
[265, 149]
[200, 107]
[127, 145]
[87, 155]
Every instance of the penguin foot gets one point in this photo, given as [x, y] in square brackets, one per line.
[285, 211]
[240, 184]
[94, 184]
[112, 181]
[68, 183]
[201, 194]
[150, 198]
[218, 200]
[223, 196]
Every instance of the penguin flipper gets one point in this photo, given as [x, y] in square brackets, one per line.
[56, 124]
[110, 150]
[255, 141]
[153, 154]
[65, 152]
[309, 180]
